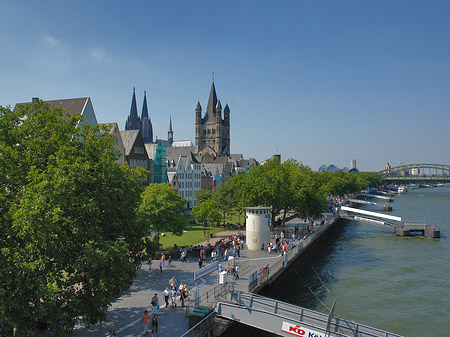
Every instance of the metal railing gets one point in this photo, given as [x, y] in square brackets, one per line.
[202, 328]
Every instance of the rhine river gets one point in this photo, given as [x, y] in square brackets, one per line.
[398, 284]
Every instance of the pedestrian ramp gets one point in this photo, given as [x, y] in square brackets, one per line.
[285, 319]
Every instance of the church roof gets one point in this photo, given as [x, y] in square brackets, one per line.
[227, 108]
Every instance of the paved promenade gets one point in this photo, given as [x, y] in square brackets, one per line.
[125, 312]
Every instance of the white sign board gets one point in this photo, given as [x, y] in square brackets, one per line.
[300, 330]
[202, 272]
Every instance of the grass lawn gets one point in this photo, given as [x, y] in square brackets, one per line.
[190, 237]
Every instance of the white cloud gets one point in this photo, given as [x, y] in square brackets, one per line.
[98, 54]
[51, 40]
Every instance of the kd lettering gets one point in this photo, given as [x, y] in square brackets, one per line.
[297, 330]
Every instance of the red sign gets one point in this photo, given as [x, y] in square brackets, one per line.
[298, 330]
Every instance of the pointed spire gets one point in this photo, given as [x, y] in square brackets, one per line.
[144, 107]
[133, 110]
[170, 132]
[227, 109]
[218, 105]
[211, 108]
[199, 107]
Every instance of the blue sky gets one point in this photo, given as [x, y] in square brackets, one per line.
[318, 81]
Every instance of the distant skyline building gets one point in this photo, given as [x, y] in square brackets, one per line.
[212, 132]
[352, 164]
[143, 123]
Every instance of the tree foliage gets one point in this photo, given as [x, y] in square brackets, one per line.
[207, 212]
[69, 238]
[162, 210]
[290, 186]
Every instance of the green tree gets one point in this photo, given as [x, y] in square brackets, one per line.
[207, 212]
[69, 238]
[162, 210]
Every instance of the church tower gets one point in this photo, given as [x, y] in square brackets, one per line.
[212, 132]
[146, 123]
[133, 121]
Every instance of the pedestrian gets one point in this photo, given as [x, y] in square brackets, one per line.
[161, 263]
[200, 262]
[149, 265]
[239, 251]
[236, 272]
[173, 295]
[145, 319]
[183, 296]
[163, 258]
[173, 282]
[262, 245]
[155, 303]
[155, 324]
[166, 296]
[170, 259]
[112, 333]
[213, 255]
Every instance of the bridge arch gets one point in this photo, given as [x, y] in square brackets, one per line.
[407, 170]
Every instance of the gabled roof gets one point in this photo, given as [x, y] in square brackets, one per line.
[128, 139]
[75, 106]
[175, 152]
[211, 169]
[215, 160]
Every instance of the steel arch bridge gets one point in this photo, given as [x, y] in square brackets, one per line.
[431, 173]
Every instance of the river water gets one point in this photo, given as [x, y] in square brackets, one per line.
[398, 284]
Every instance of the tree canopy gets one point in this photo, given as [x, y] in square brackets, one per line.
[162, 209]
[290, 186]
[69, 238]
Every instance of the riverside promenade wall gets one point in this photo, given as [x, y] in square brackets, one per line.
[276, 269]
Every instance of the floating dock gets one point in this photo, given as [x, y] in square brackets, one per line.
[400, 228]
[409, 229]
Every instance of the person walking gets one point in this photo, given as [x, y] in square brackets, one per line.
[236, 272]
[145, 319]
[166, 296]
[155, 325]
[161, 264]
[183, 296]
[173, 295]
[155, 303]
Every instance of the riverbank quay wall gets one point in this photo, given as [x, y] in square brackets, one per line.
[258, 282]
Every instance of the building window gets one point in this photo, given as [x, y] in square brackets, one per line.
[139, 150]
